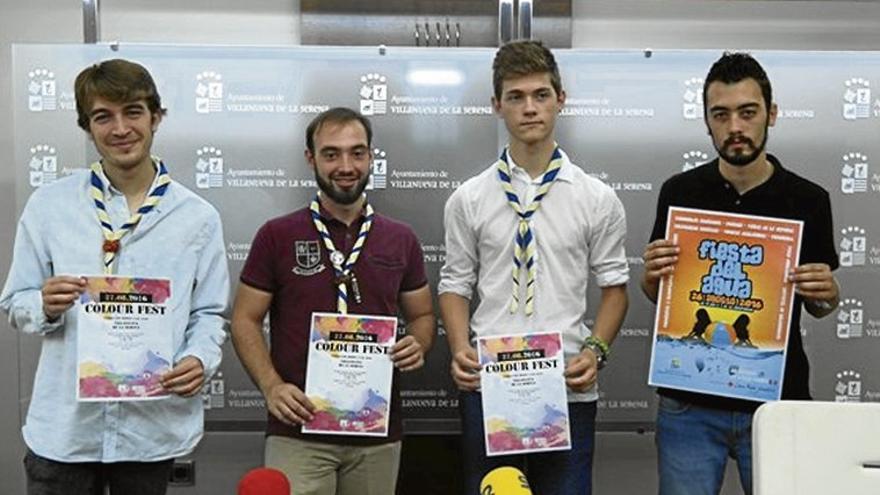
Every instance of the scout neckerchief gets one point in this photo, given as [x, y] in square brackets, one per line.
[341, 266]
[524, 250]
[112, 237]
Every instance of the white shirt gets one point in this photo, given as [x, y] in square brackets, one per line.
[580, 228]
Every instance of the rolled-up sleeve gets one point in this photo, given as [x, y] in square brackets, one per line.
[459, 272]
[22, 298]
[206, 330]
[607, 243]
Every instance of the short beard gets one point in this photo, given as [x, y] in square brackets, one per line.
[342, 197]
[744, 159]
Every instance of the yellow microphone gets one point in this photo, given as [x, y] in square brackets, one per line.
[505, 480]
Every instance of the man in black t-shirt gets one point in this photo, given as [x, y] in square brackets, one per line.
[696, 433]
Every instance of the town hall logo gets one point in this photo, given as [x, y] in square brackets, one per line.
[854, 173]
[374, 94]
[209, 167]
[308, 258]
[43, 165]
[850, 319]
[857, 99]
[853, 246]
[213, 392]
[209, 92]
[692, 108]
[693, 159]
[378, 170]
[41, 91]
[848, 386]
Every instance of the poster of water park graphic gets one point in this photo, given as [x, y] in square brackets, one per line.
[525, 405]
[349, 374]
[124, 339]
[723, 315]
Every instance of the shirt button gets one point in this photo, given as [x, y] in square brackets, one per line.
[726, 186]
[738, 202]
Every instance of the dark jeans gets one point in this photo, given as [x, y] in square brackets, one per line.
[567, 472]
[694, 443]
[48, 477]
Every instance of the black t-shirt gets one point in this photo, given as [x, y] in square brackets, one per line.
[783, 195]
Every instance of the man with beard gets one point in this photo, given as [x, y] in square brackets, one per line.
[697, 432]
[334, 256]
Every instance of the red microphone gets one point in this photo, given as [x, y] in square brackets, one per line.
[264, 481]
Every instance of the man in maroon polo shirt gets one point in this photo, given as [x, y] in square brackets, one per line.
[293, 271]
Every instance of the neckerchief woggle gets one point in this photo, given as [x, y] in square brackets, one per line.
[112, 238]
[342, 267]
[524, 247]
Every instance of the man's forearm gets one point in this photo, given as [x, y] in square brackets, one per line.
[612, 310]
[455, 311]
[423, 329]
[250, 345]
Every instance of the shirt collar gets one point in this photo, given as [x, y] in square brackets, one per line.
[111, 190]
[711, 175]
[565, 171]
[776, 181]
[328, 217]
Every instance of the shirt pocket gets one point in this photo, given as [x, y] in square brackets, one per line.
[386, 263]
[382, 278]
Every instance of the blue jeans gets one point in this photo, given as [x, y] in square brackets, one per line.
[48, 477]
[693, 444]
[567, 472]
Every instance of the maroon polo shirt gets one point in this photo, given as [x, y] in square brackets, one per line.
[288, 259]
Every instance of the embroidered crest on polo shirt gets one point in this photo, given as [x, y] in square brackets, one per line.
[308, 258]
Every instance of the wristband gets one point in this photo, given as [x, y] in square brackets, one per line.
[600, 349]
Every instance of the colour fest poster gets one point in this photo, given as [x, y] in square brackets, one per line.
[723, 315]
[349, 374]
[124, 341]
[525, 404]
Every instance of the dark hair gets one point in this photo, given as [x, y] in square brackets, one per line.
[337, 115]
[521, 58]
[703, 316]
[742, 322]
[118, 81]
[734, 67]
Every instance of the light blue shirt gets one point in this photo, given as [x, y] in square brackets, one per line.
[59, 234]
